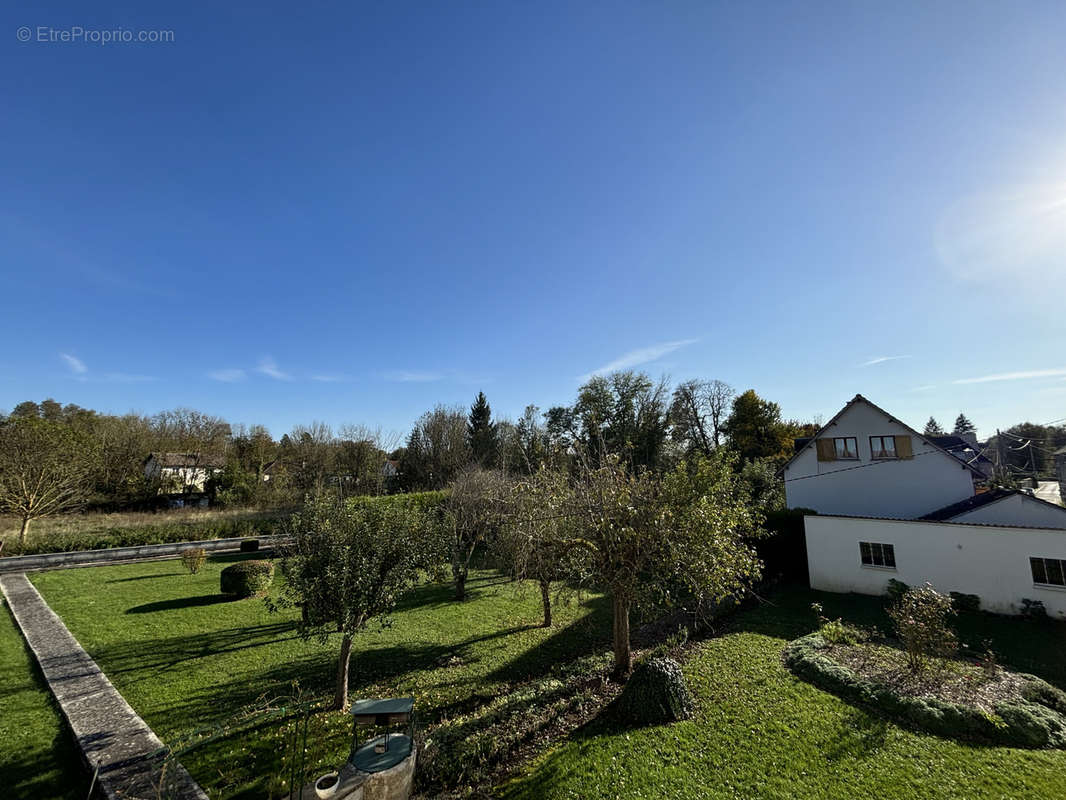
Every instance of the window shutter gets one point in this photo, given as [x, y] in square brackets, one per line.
[826, 450]
[903, 447]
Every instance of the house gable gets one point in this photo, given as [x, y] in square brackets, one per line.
[843, 469]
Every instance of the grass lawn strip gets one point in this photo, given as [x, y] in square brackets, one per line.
[38, 758]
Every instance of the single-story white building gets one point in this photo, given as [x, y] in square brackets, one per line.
[1001, 564]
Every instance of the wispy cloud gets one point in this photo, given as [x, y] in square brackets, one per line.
[1015, 376]
[267, 366]
[329, 378]
[413, 376]
[227, 375]
[924, 388]
[642, 355]
[881, 360]
[77, 366]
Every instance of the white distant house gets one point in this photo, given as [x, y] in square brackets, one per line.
[893, 503]
[181, 472]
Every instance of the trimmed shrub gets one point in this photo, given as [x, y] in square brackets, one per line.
[965, 602]
[1032, 721]
[247, 579]
[655, 693]
[193, 559]
[249, 545]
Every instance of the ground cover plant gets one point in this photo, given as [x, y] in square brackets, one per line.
[189, 659]
[37, 755]
[758, 731]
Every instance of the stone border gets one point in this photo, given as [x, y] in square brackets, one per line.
[110, 555]
[117, 745]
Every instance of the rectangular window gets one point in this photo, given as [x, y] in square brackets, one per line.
[1048, 571]
[883, 447]
[846, 447]
[877, 554]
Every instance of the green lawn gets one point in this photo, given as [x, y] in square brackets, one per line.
[37, 755]
[186, 658]
[759, 732]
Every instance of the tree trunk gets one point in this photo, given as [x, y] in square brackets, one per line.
[22, 532]
[545, 598]
[623, 656]
[340, 698]
[460, 587]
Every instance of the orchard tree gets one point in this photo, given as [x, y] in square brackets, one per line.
[45, 469]
[350, 562]
[538, 541]
[641, 534]
[472, 514]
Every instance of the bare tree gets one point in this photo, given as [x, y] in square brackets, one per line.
[699, 411]
[44, 469]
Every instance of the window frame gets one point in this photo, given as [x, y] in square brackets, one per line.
[872, 552]
[874, 451]
[1044, 562]
[846, 439]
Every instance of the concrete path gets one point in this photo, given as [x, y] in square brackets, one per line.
[112, 738]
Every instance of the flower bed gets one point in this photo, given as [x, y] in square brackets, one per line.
[954, 698]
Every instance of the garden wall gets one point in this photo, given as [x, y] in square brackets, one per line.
[989, 561]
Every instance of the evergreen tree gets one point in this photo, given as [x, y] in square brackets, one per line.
[932, 428]
[481, 432]
[963, 425]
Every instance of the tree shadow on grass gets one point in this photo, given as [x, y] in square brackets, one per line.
[585, 636]
[182, 602]
[860, 736]
[145, 577]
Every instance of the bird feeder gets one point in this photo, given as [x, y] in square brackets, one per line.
[383, 733]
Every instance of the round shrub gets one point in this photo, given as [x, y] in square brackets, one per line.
[656, 692]
[248, 578]
[1032, 720]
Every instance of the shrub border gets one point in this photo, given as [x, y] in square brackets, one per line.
[1037, 721]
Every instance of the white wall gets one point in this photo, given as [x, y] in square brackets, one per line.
[902, 489]
[1017, 509]
[991, 562]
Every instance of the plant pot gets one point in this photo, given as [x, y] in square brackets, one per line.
[326, 786]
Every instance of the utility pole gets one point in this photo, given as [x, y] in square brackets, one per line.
[1001, 458]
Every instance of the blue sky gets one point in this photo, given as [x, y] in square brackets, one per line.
[353, 212]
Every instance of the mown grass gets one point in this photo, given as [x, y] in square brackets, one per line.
[186, 658]
[37, 754]
[760, 732]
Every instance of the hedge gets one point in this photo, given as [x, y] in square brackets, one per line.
[423, 501]
[1035, 720]
[247, 579]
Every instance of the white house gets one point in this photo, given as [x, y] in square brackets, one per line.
[181, 472]
[891, 503]
[866, 462]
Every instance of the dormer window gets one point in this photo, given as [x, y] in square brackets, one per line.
[883, 447]
[846, 447]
